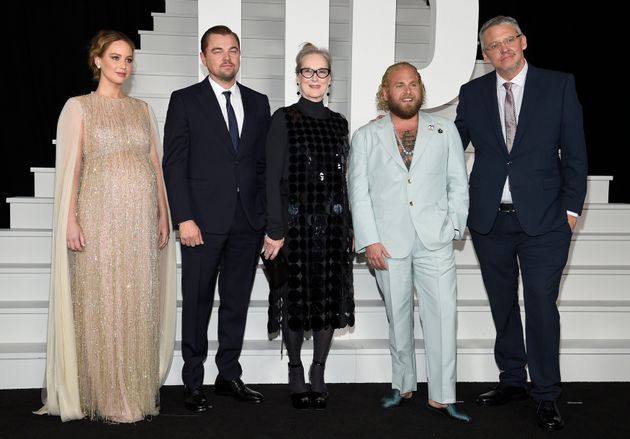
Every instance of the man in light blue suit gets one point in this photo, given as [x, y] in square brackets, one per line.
[409, 199]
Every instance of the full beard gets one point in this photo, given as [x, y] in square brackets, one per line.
[404, 111]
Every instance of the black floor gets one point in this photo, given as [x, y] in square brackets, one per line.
[591, 410]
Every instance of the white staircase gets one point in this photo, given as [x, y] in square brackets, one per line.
[594, 301]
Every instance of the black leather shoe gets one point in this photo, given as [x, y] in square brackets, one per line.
[319, 400]
[236, 389]
[301, 401]
[502, 394]
[195, 400]
[549, 416]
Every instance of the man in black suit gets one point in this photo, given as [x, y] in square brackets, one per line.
[527, 188]
[214, 169]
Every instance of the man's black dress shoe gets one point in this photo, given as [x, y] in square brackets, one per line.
[502, 394]
[195, 400]
[549, 416]
[237, 389]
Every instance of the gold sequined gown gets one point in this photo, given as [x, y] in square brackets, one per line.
[114, 281]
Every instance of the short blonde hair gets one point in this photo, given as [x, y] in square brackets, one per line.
[381, 103]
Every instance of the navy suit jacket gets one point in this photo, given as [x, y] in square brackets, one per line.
[547, 165]
[202, 171]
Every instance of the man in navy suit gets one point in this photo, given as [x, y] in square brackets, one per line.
[527, 188]
[214, 169]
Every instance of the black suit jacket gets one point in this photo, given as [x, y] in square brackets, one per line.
[202, 171]
[547, 165]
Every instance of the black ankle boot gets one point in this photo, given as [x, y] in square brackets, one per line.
[300, 400]
[319, 396]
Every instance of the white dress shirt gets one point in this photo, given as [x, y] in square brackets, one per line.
[235, 99]
[518, 86]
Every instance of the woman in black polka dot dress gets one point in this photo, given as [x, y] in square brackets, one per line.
[308, 219]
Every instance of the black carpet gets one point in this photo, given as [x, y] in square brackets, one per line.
[591, 410]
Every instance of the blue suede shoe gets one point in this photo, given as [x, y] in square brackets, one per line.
[450, 412]
[393, 400]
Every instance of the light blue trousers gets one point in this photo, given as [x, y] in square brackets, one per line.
[432, 274]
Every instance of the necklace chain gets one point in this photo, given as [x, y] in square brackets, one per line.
[405, 151]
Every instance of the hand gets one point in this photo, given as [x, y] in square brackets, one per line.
[74, 236]
[375, 256]
[572, 220]
[271, 247]
[189, 234]
[163, 232]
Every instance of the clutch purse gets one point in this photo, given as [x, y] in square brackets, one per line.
[276, 270]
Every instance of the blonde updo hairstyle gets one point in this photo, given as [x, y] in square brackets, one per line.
[99, 44]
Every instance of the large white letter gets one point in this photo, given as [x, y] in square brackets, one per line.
[304, 22]
[373, 45]
[454, 50]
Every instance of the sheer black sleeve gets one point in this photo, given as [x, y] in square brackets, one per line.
[277, 153]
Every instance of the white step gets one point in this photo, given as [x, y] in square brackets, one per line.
[250, 66]
[174, 22]
[26, 321]
[262, 10]
[22, 365]
[188, 7]
[30, 212]
[263, 47]
[148, 61]
[271, 86]
[265, 28]
[339, 13]
[412, 51]
[340, 48]
[597, 185]
[44, 181]
[30, 282]
[169, 42]
[141, 83]
[406, 33]
[600, 249]
[413, 15]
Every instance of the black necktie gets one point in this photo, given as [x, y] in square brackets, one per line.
[232, 124]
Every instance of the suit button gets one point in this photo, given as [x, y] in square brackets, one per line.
[409, 180]
[509, 163]
[411, 203]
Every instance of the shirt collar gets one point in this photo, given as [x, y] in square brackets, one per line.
[519, 79]
[218, 89]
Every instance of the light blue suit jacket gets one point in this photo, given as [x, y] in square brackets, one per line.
[390, 204]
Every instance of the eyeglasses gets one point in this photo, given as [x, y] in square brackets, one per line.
[321, 73]
[508, 42]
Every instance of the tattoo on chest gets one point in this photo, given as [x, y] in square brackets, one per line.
[406, 142]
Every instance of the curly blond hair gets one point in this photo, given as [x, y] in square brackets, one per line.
[381, 103]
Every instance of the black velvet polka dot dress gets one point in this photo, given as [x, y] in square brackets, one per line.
[307, 204]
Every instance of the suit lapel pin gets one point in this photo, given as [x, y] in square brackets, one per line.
[440, 130]
[431, 127]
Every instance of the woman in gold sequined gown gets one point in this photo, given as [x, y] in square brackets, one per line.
[112, 301]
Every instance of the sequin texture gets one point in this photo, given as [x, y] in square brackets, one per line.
[115, 279]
